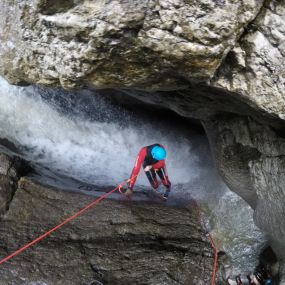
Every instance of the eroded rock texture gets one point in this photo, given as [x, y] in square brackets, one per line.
[254, 69]
[155, 44]
[225, 57]
[251, 158]
[114, 242]
[10, 170]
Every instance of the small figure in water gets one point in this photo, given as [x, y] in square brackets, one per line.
[152, 158]
[260, 277]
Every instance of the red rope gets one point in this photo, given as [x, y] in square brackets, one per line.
[94, 203]
[62, 224]
[215, 259]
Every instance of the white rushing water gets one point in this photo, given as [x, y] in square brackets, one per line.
[92, 151]
[234, 229]
[85, 137]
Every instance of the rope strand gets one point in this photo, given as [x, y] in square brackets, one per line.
[96, 202]
[61, 224]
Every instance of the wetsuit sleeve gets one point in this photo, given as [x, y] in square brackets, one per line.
[140, 158]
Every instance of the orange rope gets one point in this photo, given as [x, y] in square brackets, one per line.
[215, 259]
[96, 202]
[63, 223]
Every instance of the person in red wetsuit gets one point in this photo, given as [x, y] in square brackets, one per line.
[152, 158]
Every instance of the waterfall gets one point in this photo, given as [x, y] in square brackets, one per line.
[83, 135]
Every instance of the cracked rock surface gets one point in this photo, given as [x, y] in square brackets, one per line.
[254, 69]
[118, 43]
[251, 158]
[10, 170]
[113, 242]
[221, 62]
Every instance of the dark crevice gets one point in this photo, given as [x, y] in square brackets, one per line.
[280, 132]
[16, 169]
[179, 245]
[229, 60]
[50, 7]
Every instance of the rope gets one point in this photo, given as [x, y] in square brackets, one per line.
[63, 223]
[119, 187]
[215, 259]
[211, 242]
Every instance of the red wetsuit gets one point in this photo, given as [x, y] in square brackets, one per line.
[144, 159]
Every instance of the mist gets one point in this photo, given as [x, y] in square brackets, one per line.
[82, 135]
[85, 136]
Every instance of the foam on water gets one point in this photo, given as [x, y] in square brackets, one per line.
[93, 151]
[84, 136]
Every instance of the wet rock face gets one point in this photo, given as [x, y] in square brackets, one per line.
[154, 44]
[9, 175]
[228, 54]
[255, 67]
[113, 242]
[251, 158]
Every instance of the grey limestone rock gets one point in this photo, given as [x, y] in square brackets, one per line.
[251, 159]
[254, 69]
[220, 61]
[158, 44]
[113, 242]
[9, 175]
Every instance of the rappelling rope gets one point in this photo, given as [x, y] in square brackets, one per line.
[119, 187]
[215, 258]
[207, 233]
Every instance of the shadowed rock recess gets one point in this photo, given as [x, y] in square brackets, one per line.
[11, 170]
[221, 62]
[114, 242]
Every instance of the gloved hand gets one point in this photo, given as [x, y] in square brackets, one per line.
[129, 193]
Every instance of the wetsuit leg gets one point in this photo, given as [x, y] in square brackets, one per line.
[164, 178]
[151, 176]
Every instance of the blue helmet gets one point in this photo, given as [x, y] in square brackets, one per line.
[158, 153]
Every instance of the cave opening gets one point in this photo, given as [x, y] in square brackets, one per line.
[92, 138]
